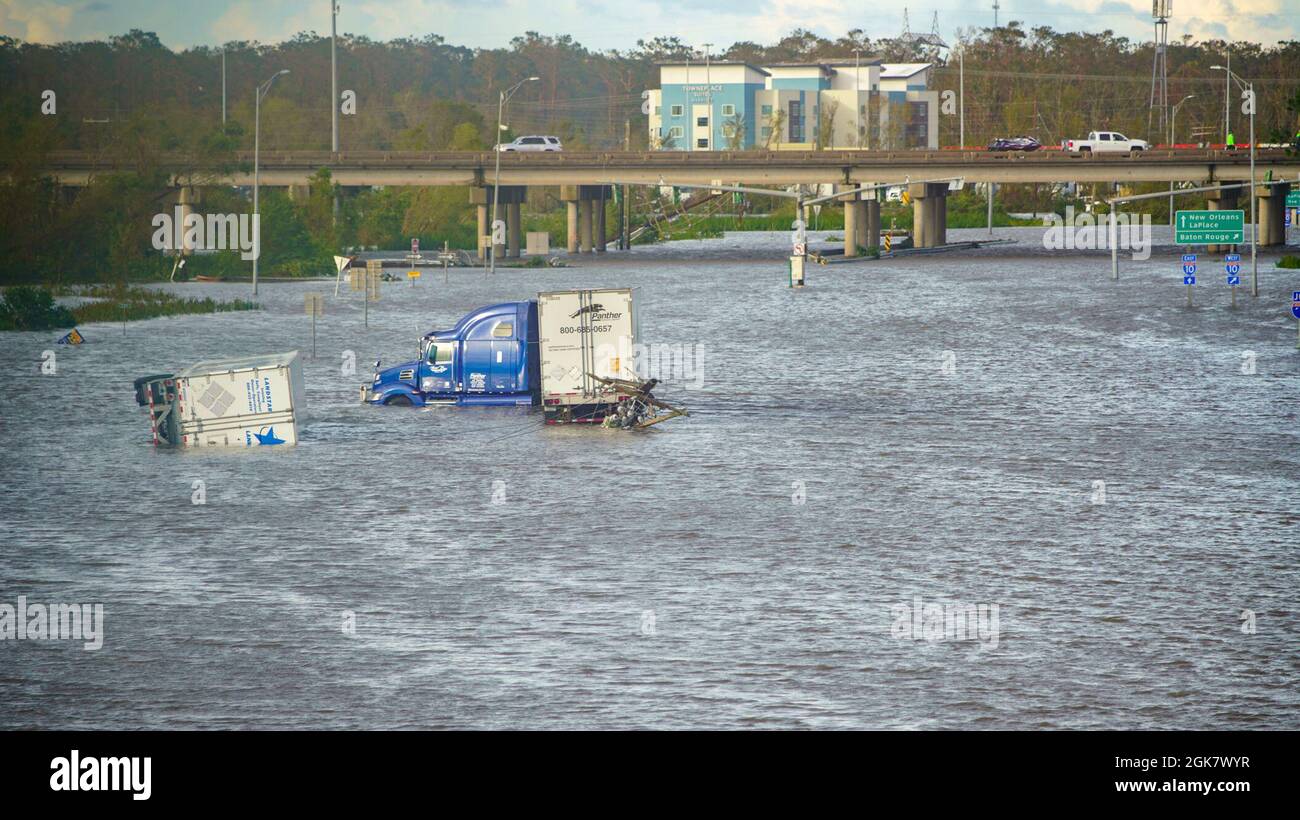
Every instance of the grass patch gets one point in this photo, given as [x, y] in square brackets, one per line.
[28, 307]
[1289, 262]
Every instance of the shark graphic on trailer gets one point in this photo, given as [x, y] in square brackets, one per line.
[255, 401]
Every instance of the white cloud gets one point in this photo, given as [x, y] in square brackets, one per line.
[46, 22]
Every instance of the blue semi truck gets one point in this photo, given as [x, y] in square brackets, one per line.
[570, 352]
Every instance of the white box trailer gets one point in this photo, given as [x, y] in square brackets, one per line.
[254, 401]
[581, 334]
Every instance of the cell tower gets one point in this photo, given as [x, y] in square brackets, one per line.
[1161, 11]
[995, 13]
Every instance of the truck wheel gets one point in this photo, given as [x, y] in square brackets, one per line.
[400, 400]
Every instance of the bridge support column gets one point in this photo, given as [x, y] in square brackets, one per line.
[187, 198]
[598, 204]
[569, 195]
[1221, 201]
[1271, 213]
[482, 198]
[482, 232]
[871, 224]
[851, 226]
[584, 225]
[929, 214]
[514, 220]
[572, 240]
[919, 213]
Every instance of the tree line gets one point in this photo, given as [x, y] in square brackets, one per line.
[131, 99]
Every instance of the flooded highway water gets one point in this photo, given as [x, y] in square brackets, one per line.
[1111, 480]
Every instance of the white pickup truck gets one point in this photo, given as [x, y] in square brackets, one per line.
[1105, 142]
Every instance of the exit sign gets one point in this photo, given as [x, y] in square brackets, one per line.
[1293, 199]
[1210, 227]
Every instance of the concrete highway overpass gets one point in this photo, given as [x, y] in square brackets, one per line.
[365, 168]
[584, 178]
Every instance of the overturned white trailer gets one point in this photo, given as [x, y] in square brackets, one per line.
[255, 401]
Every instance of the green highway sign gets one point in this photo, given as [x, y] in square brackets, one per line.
[1293, 199]
[1210, 227]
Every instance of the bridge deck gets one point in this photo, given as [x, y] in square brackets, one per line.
[703, 167]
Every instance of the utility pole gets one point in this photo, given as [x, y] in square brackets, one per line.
[223, 88]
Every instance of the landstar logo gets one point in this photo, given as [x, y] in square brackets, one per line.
[102, 774]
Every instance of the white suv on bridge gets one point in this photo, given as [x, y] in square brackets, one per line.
[533, 144]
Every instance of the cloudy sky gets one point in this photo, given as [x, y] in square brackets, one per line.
[604, 24]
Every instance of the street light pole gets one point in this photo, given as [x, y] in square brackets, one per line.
[1254, 226]
[857, 93]
[496, 181]
[961, 91]
[334, 80]
[1249, 89]
[261, 92]
[708, 92]
[1173, 135]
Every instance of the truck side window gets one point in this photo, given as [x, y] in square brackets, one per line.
[1105, 137]
[440, 354]
[504, 330]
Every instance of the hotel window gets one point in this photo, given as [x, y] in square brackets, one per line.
[702, 142]
[767, 132]
[675, 132]
[767, 111]
[658, 110]
[702, 121]
[728, 110]
[676, 110]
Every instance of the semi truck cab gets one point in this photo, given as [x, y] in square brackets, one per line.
[488, 358]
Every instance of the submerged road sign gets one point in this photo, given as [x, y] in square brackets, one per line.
[1210, 228]
[1295, 303]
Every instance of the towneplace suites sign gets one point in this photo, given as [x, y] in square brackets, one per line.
[1210, 227]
